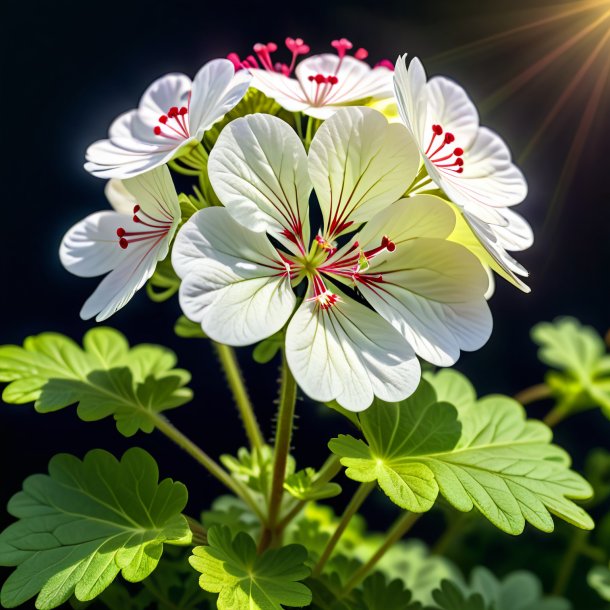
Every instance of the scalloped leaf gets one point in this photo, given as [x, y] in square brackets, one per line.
[485, 455]
[106, 378]
[247, 581]
[85, 522]
[579, 353]
[303, 486]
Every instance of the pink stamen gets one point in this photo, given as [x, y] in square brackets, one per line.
[160, 227]
[455, 156]
[297, 47]
[175, 121]
[342, 46]
[264, 54]
[324, 298]
[361, 53]
[385, 63]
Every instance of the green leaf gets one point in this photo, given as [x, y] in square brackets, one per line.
[452, 387]
[303, 486]
[266, 350]
[247, 581]
[518, 591]
[188, 330]
[105, 378]
[233, 513]
[598, 579]
[484, 455]
[85, 522]
[579, 353]
[451, 597]
[378, 594]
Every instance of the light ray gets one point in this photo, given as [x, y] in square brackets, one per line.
[536, 68]
[566, 95]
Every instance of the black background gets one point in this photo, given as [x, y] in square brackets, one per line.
[70, 68]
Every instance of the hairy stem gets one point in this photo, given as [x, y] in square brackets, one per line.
[285, 422]
[228, 360]
[214, 468]
[401, 526]
[351, 509]
[200, 536]
[534, 393]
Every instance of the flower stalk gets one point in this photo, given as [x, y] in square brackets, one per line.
[228, 360]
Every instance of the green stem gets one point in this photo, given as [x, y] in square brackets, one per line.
[285, 421]
[330, 469]
[216, 470]
[556, 415]
[569, 562]
[401, 526]
[200, 536]
[298, 121]
[351, 509]
[228, 360]
[537, 392]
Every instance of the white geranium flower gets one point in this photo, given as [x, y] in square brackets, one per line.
[426, 294]
[172, 116]
[470, 163]
[125, 243]
[323, 83]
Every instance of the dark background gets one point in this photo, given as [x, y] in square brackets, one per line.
[70, 68]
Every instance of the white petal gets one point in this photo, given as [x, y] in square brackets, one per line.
[489, 179]
[356, 82]
[212, 233]
[91, 247]
[450, 107]
[236, 305]
[517, 234]
[119, 197]
[216, 90]
[436, 329]
[350, 354]
[126, 157]
[411, 96]
[286, 91]
[258, 169]
[359, 164]
[119, 286]
[169, 90]
[156, 195]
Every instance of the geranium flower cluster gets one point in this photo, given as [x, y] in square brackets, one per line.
[364, 229]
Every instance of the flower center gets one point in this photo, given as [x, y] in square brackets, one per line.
[352, 265]
[158, 227]
[173, 125]
[441, 154]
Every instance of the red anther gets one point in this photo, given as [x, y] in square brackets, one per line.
[310, 78]
[459, 162]
[459, 170]
[183, 111]
[136, 209]
[271, 47]
[437, 129]
[385, 240]
[390, 246]
[157, 130]
[385, 63]
[136, 219]
[333, 80]
[361, 53]
[163, 119]
[120, 232]
[172, 113]
[458, 152]
[319, 78]
[449, 137]
[123, 243]
[259, 46]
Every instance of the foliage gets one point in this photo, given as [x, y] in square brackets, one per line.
[113, 516]
[582, 376]
[105, 378]
[483, 454]
[245, 580]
